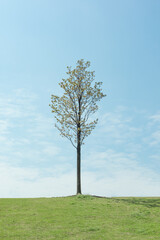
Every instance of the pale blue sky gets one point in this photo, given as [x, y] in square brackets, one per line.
[121, 39]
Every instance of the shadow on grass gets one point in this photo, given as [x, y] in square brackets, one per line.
[147, 202]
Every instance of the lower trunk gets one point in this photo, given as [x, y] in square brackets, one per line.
[79, 169]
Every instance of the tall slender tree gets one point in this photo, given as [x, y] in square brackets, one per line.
[73, 109]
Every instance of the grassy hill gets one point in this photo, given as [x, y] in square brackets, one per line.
[80, 218]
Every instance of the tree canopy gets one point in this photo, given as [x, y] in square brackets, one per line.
[78, 103]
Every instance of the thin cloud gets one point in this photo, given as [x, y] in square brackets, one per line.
[32, 182]
[119, 126]
[4, 127]
[28, 182]
[155, 117]
[118, 174]
[33, 161]
[25, 133]
[154, 127]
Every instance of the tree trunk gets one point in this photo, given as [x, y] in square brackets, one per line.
[78, 166]
[79, 149]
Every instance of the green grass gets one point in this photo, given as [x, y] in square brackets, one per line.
[80, 218]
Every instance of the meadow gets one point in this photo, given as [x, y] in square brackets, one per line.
[81, 217]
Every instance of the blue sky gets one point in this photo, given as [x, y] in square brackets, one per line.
[38, 40]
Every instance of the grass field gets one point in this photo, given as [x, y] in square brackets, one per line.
[80, 217]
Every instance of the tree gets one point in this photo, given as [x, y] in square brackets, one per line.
[73, 109]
